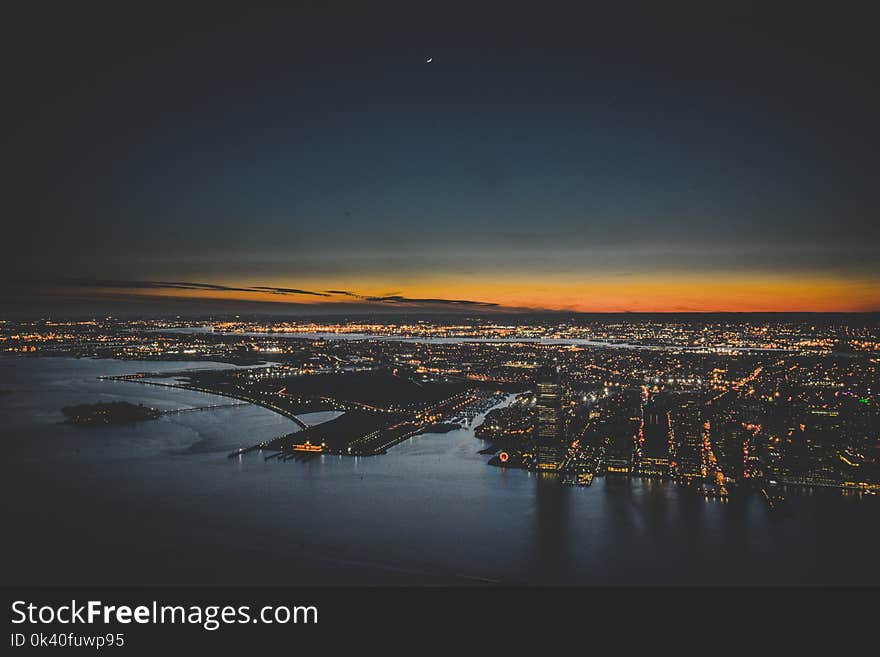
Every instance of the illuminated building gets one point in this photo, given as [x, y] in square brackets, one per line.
[655, 450]
[618, 455]
[550, 441]
[688, 434]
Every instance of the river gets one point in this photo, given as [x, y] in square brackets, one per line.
[159, 502]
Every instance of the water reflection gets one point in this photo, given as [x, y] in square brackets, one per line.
[120, 499]
[551, 534]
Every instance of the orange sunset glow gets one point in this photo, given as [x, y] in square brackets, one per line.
[589, 293]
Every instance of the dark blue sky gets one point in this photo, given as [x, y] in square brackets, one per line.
[310, 149]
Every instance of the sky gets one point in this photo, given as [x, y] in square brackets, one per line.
[307, 160]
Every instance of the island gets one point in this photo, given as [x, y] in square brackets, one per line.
[120, 412]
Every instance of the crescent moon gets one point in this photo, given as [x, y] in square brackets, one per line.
[429, 60]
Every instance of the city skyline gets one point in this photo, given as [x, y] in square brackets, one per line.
[421, 319]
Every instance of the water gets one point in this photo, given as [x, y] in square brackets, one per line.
[160, 503]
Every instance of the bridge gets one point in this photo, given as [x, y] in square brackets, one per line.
[203, 408]
[244, 398]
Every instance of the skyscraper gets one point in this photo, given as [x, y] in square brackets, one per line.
[654, 458]
[550, 441]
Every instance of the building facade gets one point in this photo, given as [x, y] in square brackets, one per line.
[550, 442]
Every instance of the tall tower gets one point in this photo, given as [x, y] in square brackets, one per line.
[549, 445]
[655, 450]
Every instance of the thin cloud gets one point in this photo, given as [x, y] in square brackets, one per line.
[289, 290]
[151, 285]
[395, 299]
[453, 302]
[399, 299]
[183, 285]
